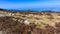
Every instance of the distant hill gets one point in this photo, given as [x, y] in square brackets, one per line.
[16, 10]
[2, 9]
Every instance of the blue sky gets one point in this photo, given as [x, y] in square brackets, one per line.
[30, 4]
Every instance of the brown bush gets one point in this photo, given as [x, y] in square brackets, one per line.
[15, 27]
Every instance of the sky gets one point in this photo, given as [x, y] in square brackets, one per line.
[30, 4]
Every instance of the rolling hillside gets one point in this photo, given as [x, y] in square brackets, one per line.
[41, 20]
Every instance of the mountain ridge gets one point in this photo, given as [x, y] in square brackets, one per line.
[29, 10]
